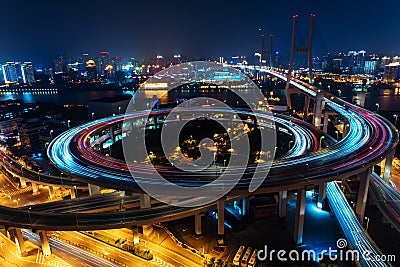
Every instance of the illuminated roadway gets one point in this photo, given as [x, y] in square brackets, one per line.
[370, 139]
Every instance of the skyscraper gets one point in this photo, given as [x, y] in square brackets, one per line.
[10, 72]
[104, 62]
[91, 69]
[28, 75]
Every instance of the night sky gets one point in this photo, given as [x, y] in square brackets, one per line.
[39, 30]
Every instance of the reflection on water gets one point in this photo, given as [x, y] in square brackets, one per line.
[388, 99]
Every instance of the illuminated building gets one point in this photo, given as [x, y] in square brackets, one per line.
[60, 65]
[392, 71]
[385, 61]
[10, 72]
[91, 69]
[370, 66]
[104, 62]
[28, 76]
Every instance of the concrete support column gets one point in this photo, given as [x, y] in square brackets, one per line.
[19, 241]
[363, 194]
[197, 224]
[318, 109]
[288, 99]
[112, 135]
[51, 191]
[147, 230]
[35, 190]
[306, 105]
[144, 201]
[282, 204]
[22, 181]
[135, 233]
[361, 98]
[93, 189]
[346, 129]
[299, 219]
[326, 121]
[321, 196]
[72, 193]
[388, 167]
[344, 180]
[45, 243]
[221, 222]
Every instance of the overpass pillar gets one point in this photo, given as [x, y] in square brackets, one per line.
[51, 191]
[362, 194]
[388, 167]
[22, 181]
[135, 233]
[326, 121]
[361, 98]
[289, 92]
[321, 196]
[299, 219]
[35, 190]
[221, 222]
[19, 241]
[144, 201]
[282, 204]
[318, 109]
[197, 224]
[112, 134]
[45, 243]
[307, 100]
[93, 189]
[344, 180]
[72, 193]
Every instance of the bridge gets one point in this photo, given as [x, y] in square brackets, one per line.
[370, 140]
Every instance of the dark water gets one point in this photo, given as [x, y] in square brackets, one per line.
[388, 99]
[62, 97]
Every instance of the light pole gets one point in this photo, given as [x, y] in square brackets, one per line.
[377, 107]
[92, 115]
[69, 125]
[337, 135]
[29, 215]
[366, 229]
[290, 143]
[51, 134]
[119, 110]
[395, 121]
[320, 141]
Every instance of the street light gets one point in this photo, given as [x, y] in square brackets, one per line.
[119, 110]
[290, 143]
[377, 107]
[92, 115]
[69, 125]
[29, 215]
[366, 229]
[51, 134]
[320, 141]
[337, 135]
[395, 116]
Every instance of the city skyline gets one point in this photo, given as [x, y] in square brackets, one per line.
[179, 28]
